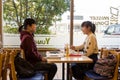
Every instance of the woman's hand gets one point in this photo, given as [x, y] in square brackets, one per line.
[72, 47]
[44, 59]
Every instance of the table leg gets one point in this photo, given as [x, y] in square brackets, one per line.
[68, 71]
[63, 72]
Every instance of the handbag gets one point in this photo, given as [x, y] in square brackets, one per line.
[23, 68]
[106, 66]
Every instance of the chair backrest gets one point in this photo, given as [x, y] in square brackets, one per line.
[116, 68]
[1, 64]
[12, 58]
[13, 72]
[5, 65]
[105, 52]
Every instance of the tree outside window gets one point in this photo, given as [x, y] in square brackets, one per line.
[45, 12]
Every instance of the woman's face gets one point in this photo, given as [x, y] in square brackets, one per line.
[85, 29]
[32, 28]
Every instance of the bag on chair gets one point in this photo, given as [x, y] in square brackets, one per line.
[106, 66]
[23, 67]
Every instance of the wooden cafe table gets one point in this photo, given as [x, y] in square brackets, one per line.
[68, 60]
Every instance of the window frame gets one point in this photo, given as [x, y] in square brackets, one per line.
[1, 39]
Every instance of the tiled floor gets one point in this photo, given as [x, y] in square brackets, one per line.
[59, 72]
[58, 76]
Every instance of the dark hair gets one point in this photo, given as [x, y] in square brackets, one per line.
[89, 24]
[28, 21]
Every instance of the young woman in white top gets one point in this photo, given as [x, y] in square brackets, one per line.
[89, 48]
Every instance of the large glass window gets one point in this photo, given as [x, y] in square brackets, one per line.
[105, 14]
[53, 21]
[51, 18]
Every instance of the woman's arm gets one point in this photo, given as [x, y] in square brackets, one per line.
[81, 47]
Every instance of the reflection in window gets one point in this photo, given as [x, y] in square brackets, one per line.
[111, 29]
[76, 28]
[76, 17]
[117, 29]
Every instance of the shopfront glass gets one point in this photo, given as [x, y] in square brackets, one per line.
[53, 21]
[105, 14]
[51, 17]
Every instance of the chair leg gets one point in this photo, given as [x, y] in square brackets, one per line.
[10, 74]
[70, 74]
[4, 75]
[46, 76]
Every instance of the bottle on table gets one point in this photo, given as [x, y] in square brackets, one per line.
[67, 50]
